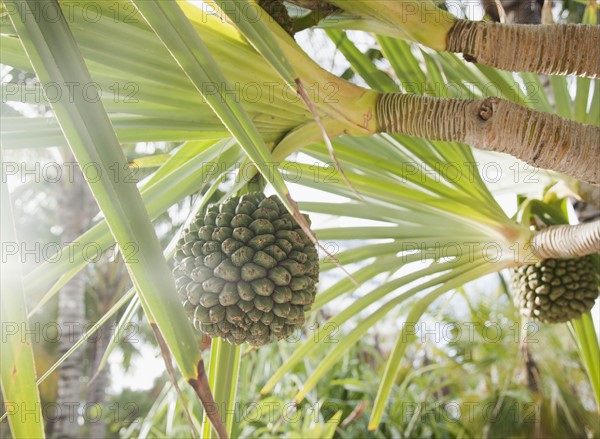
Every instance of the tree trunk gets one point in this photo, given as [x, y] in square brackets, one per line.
[278, 12]
[562, 49]
[107, 284]
[321, 6]
[540, 139]
[74, 208]
[517, 11]
[96, 391]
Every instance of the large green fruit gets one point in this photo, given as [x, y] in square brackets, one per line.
[556, 290]
[246, 271]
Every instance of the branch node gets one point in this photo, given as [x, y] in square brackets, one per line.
[486, 110]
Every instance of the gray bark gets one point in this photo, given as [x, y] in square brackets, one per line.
[75, 205]
[96, 391]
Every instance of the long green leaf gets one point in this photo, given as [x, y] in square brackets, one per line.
[587, 341]
[17, 371]
[562, 98]
[332, 425]
[223, 370]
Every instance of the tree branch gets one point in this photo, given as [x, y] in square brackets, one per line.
[540, 139]
[561, 49]
[566, 241]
